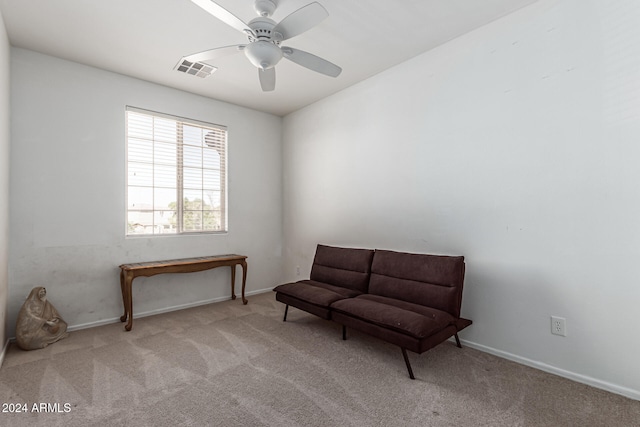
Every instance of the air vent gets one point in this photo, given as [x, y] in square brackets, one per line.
[197, 69]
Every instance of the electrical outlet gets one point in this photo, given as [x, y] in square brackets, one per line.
[297, 270]
[558, 326]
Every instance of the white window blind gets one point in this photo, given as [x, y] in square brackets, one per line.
[176, 175]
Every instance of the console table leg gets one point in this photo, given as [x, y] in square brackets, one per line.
[244, 280]
[123, 318]
[233, 281]
[128, 283]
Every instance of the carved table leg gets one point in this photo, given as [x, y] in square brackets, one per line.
[123, 318]
[244, 280]
[233, 281]
[129, 304]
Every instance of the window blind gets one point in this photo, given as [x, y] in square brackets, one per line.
[176, 174]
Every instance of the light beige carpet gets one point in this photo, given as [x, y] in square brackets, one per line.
[226, 364]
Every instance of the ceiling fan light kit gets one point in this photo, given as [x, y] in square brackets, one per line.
[264, 35]
[263, 54]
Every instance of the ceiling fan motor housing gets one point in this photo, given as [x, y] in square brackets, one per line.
[263, 51]
[263, 30]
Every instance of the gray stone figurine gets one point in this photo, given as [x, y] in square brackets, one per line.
[39, 324]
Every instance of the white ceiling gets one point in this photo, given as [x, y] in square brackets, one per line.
[146, 38]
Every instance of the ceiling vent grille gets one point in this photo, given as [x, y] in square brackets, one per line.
[197, 69]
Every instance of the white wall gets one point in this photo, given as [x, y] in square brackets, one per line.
[4, 182]
[516, 146]
[68, 193]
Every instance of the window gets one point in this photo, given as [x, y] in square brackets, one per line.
[176, 175]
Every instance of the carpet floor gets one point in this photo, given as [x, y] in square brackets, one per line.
[227, 364]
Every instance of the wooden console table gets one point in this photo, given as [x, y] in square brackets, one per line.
[128, 272]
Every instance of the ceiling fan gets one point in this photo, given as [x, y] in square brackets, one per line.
[265, 36]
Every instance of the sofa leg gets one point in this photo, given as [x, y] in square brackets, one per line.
[458, 341]
[344, 333]
[406, 361]
[286, 309]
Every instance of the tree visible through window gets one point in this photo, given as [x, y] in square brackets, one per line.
[176, 175]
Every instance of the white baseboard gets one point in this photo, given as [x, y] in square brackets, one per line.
[103, 322]
[593, 382]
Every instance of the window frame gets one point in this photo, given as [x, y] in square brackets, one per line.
[180, 122]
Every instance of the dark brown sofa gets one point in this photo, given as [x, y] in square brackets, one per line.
[410, 300]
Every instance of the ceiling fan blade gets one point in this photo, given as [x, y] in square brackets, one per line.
[267, 79]
[300, 21]
[210, 54]
[216, 53]
[311, 62]
[224, 15]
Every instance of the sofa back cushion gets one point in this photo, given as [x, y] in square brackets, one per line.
[431, 280]
[345, 267]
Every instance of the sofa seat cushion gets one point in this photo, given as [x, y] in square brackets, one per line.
[411, 319]
[318, 293]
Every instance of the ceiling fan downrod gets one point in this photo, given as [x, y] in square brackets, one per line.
[265, 8]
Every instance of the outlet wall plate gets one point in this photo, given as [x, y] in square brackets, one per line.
[559, 326]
